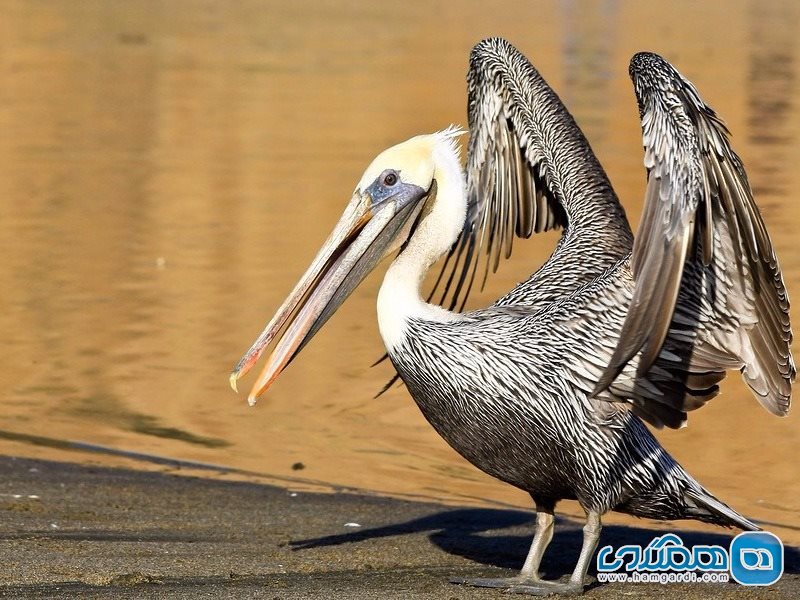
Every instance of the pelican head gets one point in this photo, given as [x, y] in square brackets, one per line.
[380, 217]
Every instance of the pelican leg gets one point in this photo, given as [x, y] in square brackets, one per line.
[542, 536]
[545, 523]
[528, 581]
[591, 535]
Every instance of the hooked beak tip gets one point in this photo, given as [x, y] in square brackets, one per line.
[234, 380]
[252, 399]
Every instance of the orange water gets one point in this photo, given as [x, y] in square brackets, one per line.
[168, 169]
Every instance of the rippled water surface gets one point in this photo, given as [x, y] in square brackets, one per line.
[168, 169]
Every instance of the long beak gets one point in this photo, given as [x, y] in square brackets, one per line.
[364, 235]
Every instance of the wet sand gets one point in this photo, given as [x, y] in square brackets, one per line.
[70, 531]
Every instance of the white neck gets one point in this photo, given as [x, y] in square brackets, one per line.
[400, 295]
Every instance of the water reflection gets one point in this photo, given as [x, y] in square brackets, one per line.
[169, 169]
[770, 95]
[589, 35]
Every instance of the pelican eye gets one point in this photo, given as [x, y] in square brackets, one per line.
[386, 185]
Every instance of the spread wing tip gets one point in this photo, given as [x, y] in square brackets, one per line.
[699, 211]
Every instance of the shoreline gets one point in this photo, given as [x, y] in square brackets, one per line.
[83, 531]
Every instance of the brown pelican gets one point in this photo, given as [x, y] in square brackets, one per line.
[548, 389]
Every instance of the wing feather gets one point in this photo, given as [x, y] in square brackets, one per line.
[505, 183]
[707, 282]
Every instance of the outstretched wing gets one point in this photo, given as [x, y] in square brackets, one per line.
[529, 169]
[507, 192]
[709, 294]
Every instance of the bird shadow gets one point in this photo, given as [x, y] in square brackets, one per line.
[501, 538]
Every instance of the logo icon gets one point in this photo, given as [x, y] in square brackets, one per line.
[756, 558]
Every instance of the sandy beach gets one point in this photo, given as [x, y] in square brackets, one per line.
[71, 531]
